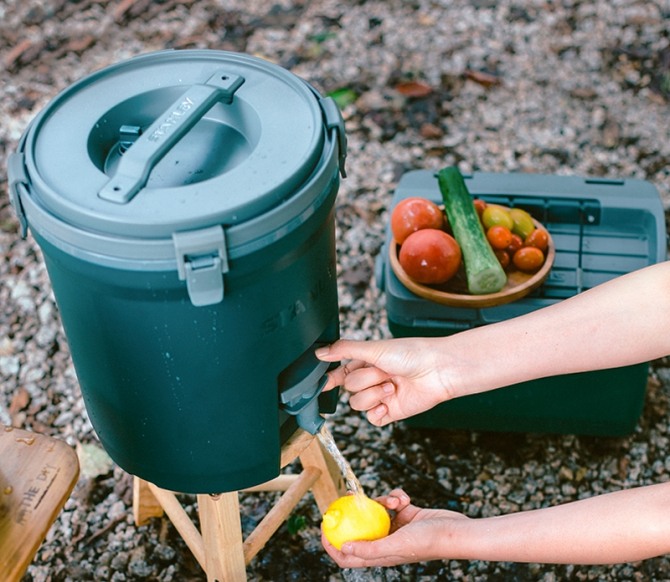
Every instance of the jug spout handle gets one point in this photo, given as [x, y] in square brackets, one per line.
[309, 418]
[302, 399]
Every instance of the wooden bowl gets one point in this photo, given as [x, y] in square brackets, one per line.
[454, 292]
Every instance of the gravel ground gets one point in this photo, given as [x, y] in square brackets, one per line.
[565, 86]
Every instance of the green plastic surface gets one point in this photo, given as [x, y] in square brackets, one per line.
[184, 203]
[188, 397]
[600, 403]
[601, 229]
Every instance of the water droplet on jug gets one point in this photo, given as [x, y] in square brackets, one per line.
[25, 440]
[8, 490]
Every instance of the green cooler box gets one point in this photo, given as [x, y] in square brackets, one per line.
[601, 228]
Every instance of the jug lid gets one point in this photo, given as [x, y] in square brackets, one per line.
[172, 141]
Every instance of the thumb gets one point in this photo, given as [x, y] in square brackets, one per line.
[367, 351]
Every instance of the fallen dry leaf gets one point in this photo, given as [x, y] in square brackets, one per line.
[483, 78]
[414, 89]
[20, 400]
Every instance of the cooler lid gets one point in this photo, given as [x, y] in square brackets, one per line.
[172, 141]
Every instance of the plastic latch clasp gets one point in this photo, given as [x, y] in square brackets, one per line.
[202, 260]
[334, 121]
[18, 184]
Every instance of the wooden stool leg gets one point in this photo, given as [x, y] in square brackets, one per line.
[221, 529]
[218, 545]
[330, 484]
[280, 512]
[182, 522]
[145, 504]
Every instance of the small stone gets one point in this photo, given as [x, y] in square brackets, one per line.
[6, 347]
[164, 553]
[120, 561]
[566, 473]
[140, 569]
[93, 460]
[9, 365]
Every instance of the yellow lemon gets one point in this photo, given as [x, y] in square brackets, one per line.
[355, 517]
[496, 215]
[523, 222]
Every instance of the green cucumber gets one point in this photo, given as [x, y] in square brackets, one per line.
[482, 269]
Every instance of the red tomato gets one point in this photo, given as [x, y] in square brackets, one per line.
[412, 214]
[539, 239]
[503, 258]
[480, 206]
[430, 256]
[499, 237]
[528, 259]
[515, 245]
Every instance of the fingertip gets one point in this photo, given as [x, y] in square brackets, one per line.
[397, 491]
[330, 352]
[403, 502]
[391, 503]
[330, 383]
[322, 352]
[378, 412]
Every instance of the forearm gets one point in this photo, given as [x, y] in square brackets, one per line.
[619, 527]
[622, 322]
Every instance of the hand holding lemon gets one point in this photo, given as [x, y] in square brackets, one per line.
[355, 518]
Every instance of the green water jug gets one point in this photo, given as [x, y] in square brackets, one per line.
[184, 204]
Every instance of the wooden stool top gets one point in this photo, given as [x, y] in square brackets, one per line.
[37, 475]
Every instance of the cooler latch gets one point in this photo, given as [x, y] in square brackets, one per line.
[201, 262]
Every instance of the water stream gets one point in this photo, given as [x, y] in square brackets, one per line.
[354, 486]
[350, 479]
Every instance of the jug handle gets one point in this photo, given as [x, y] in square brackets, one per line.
[173, 124]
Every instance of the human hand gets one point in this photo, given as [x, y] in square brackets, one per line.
[416, 536]
[390, 379]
